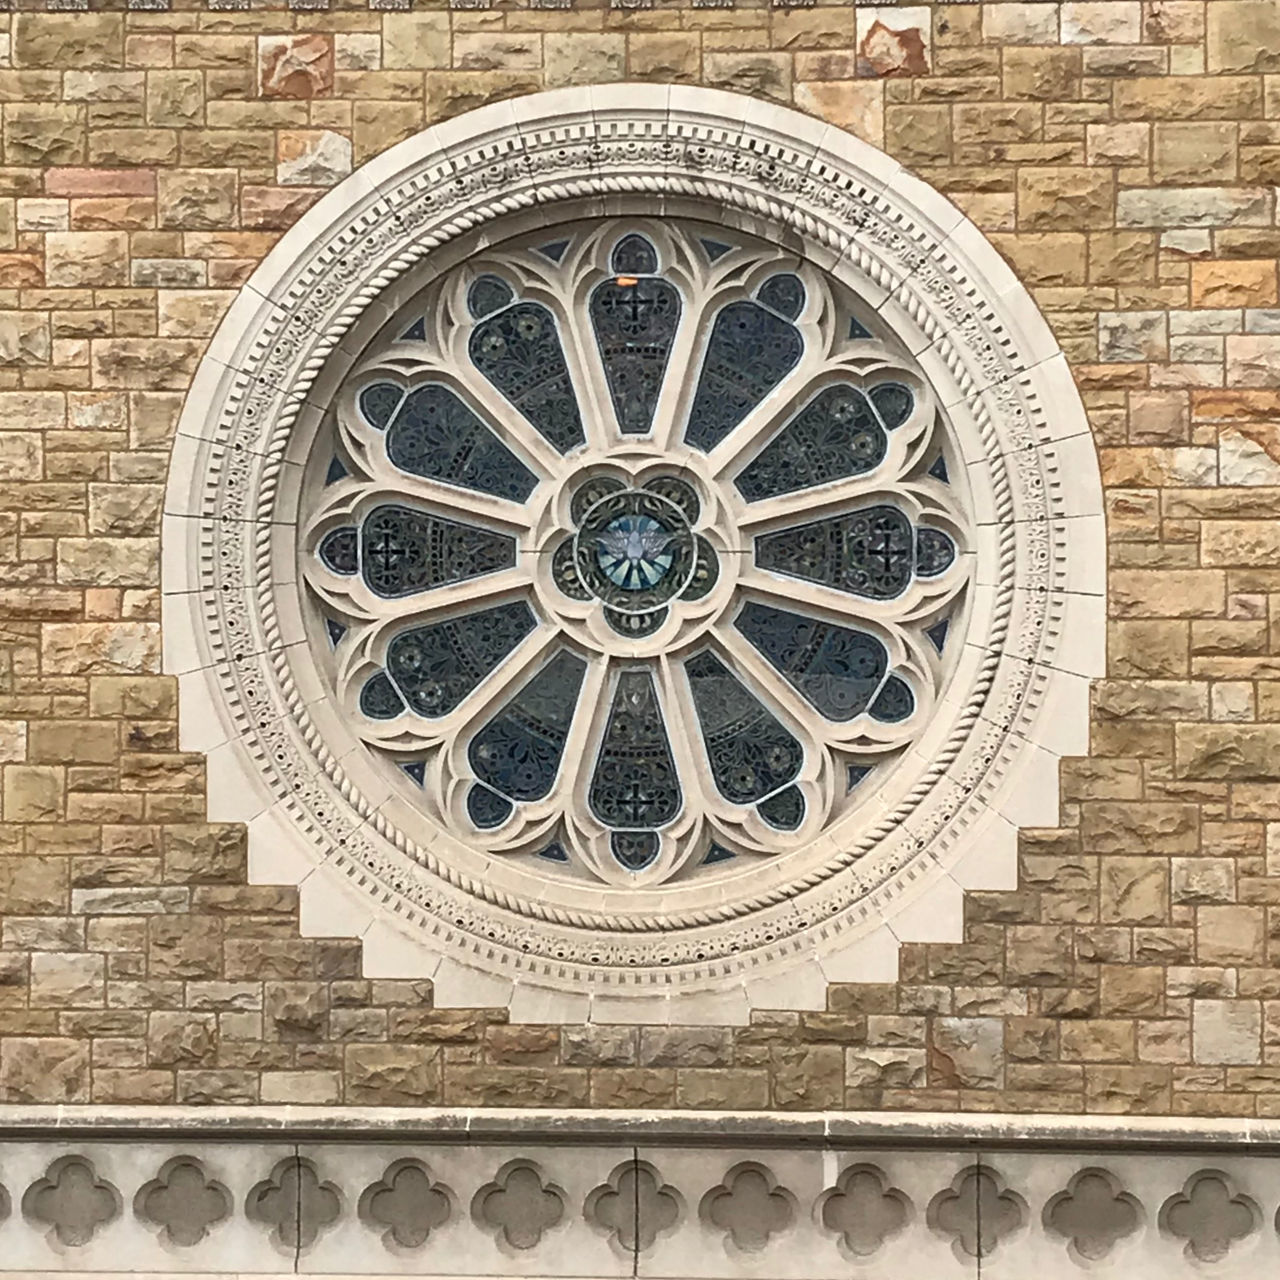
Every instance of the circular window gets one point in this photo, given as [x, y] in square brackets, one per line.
[637, 550]
[632, 543]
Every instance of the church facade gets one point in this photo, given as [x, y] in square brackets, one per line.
[639, 637]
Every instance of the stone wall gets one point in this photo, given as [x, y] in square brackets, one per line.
[1123, 155]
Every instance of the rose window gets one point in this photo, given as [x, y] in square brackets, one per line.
[639, 554]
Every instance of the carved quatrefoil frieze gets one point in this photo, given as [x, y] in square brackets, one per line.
[518, 1206]
[406, 1205]
[183, 1202]
[71, 1202]
[749, 1207]
[294, 1204]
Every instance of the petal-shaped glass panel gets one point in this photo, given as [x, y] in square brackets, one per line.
[436, 666]
[869, 552]
[379, 699]
[635, 783]
[784, 294]
[488, 294]
[836, 669]
[403, 551]
[486, 808]
[784, 810]
[633, 255]
[379, 402]
[518, 752]
[833, 437]
[750, 351]
[935, 552]
[893, 403]
[635, 322]
[895, 701]
[751, 754]
[339, 550]
[635, 849]
[436, 435]
[519, 351]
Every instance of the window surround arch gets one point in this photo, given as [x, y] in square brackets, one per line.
[986, 765]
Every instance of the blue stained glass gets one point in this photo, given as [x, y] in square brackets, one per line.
[435, 435]
[634, 850]
[869, 552]
[938, 633]
[379, 699]
[379, 402]
[714, 249]
[436, 666]
[893, 403]
[785, 810]
[486, 808]
[488, 294]
[554, 249]
[633, 255]
[855, 774]
[894, 702]
[416, 770]
[836, 669]
[416, 332]
[717, 853]
[336, 631]
[935, 553]
[750, 351]
[939, 470]
[635, 785]
[857, 329]
[518, 752]
[635, 322]
[519, 351]
[833, 437]
[783, 294]
[336, 471]
[339, 550]
[403, 551]
[751, 754]
[554, 852]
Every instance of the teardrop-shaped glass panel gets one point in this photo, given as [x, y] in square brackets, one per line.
[436, 666]
[435, 435]
[869, 552]
[519, 351]
[404, 551]
[751, 754]
[836, 669]
[635, 321]
[833, 437]
[634, 784]
[518, 752]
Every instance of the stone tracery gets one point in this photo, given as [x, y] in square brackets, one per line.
[708, 580]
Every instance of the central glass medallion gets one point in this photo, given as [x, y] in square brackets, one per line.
[638, 553]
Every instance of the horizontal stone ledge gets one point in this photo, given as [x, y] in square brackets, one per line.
[836, 1131]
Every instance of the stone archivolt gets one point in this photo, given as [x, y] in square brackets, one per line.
[502, 931]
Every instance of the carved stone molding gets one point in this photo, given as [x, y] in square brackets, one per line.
[488, 932]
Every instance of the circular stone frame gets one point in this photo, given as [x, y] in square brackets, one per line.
[946, 820]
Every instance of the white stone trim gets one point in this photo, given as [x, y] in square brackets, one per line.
[1014, 708]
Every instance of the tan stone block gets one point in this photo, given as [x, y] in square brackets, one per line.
[34, 793]
[1098, 1040]
[1167, 593]
[74, 741]
[855, 105]
[21, 456]
[966, 1053]
[151, 363]
[307, 1088]
[312, 157]
[1227, 1031]
[24, 338]
[1127, 1090]
[1134, 890]
[720, 1089]
[1065, 198]
[1042, 75]
[32, 886]
[1239, 283]
[1007, 22]
[1243, 35]
[1187, 98]
[296, 66]
[685, 1047]
[175, 98]
[1236, 752]
[95, 258]
[581, 58]
[1101, 22]
[275, 207]
[115, 562]
[669, 56]
[67, 980]
[184, 946]
[1192, 153]
[1129, 991]
[133, 147]
[918, 133]
[43, 133]
[100, 648]
[391, 1075]
[516, 1086]
[493, 51]
[1037, 955]
[125, 509]
[44, 1069]
[635, 1087]
[61, 40]
[379, 125]
[418, 40]
[449, 93]
[196, 198]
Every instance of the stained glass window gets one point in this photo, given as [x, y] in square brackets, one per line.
[627, 616]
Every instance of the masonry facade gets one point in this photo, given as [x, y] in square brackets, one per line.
[1122, 156]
